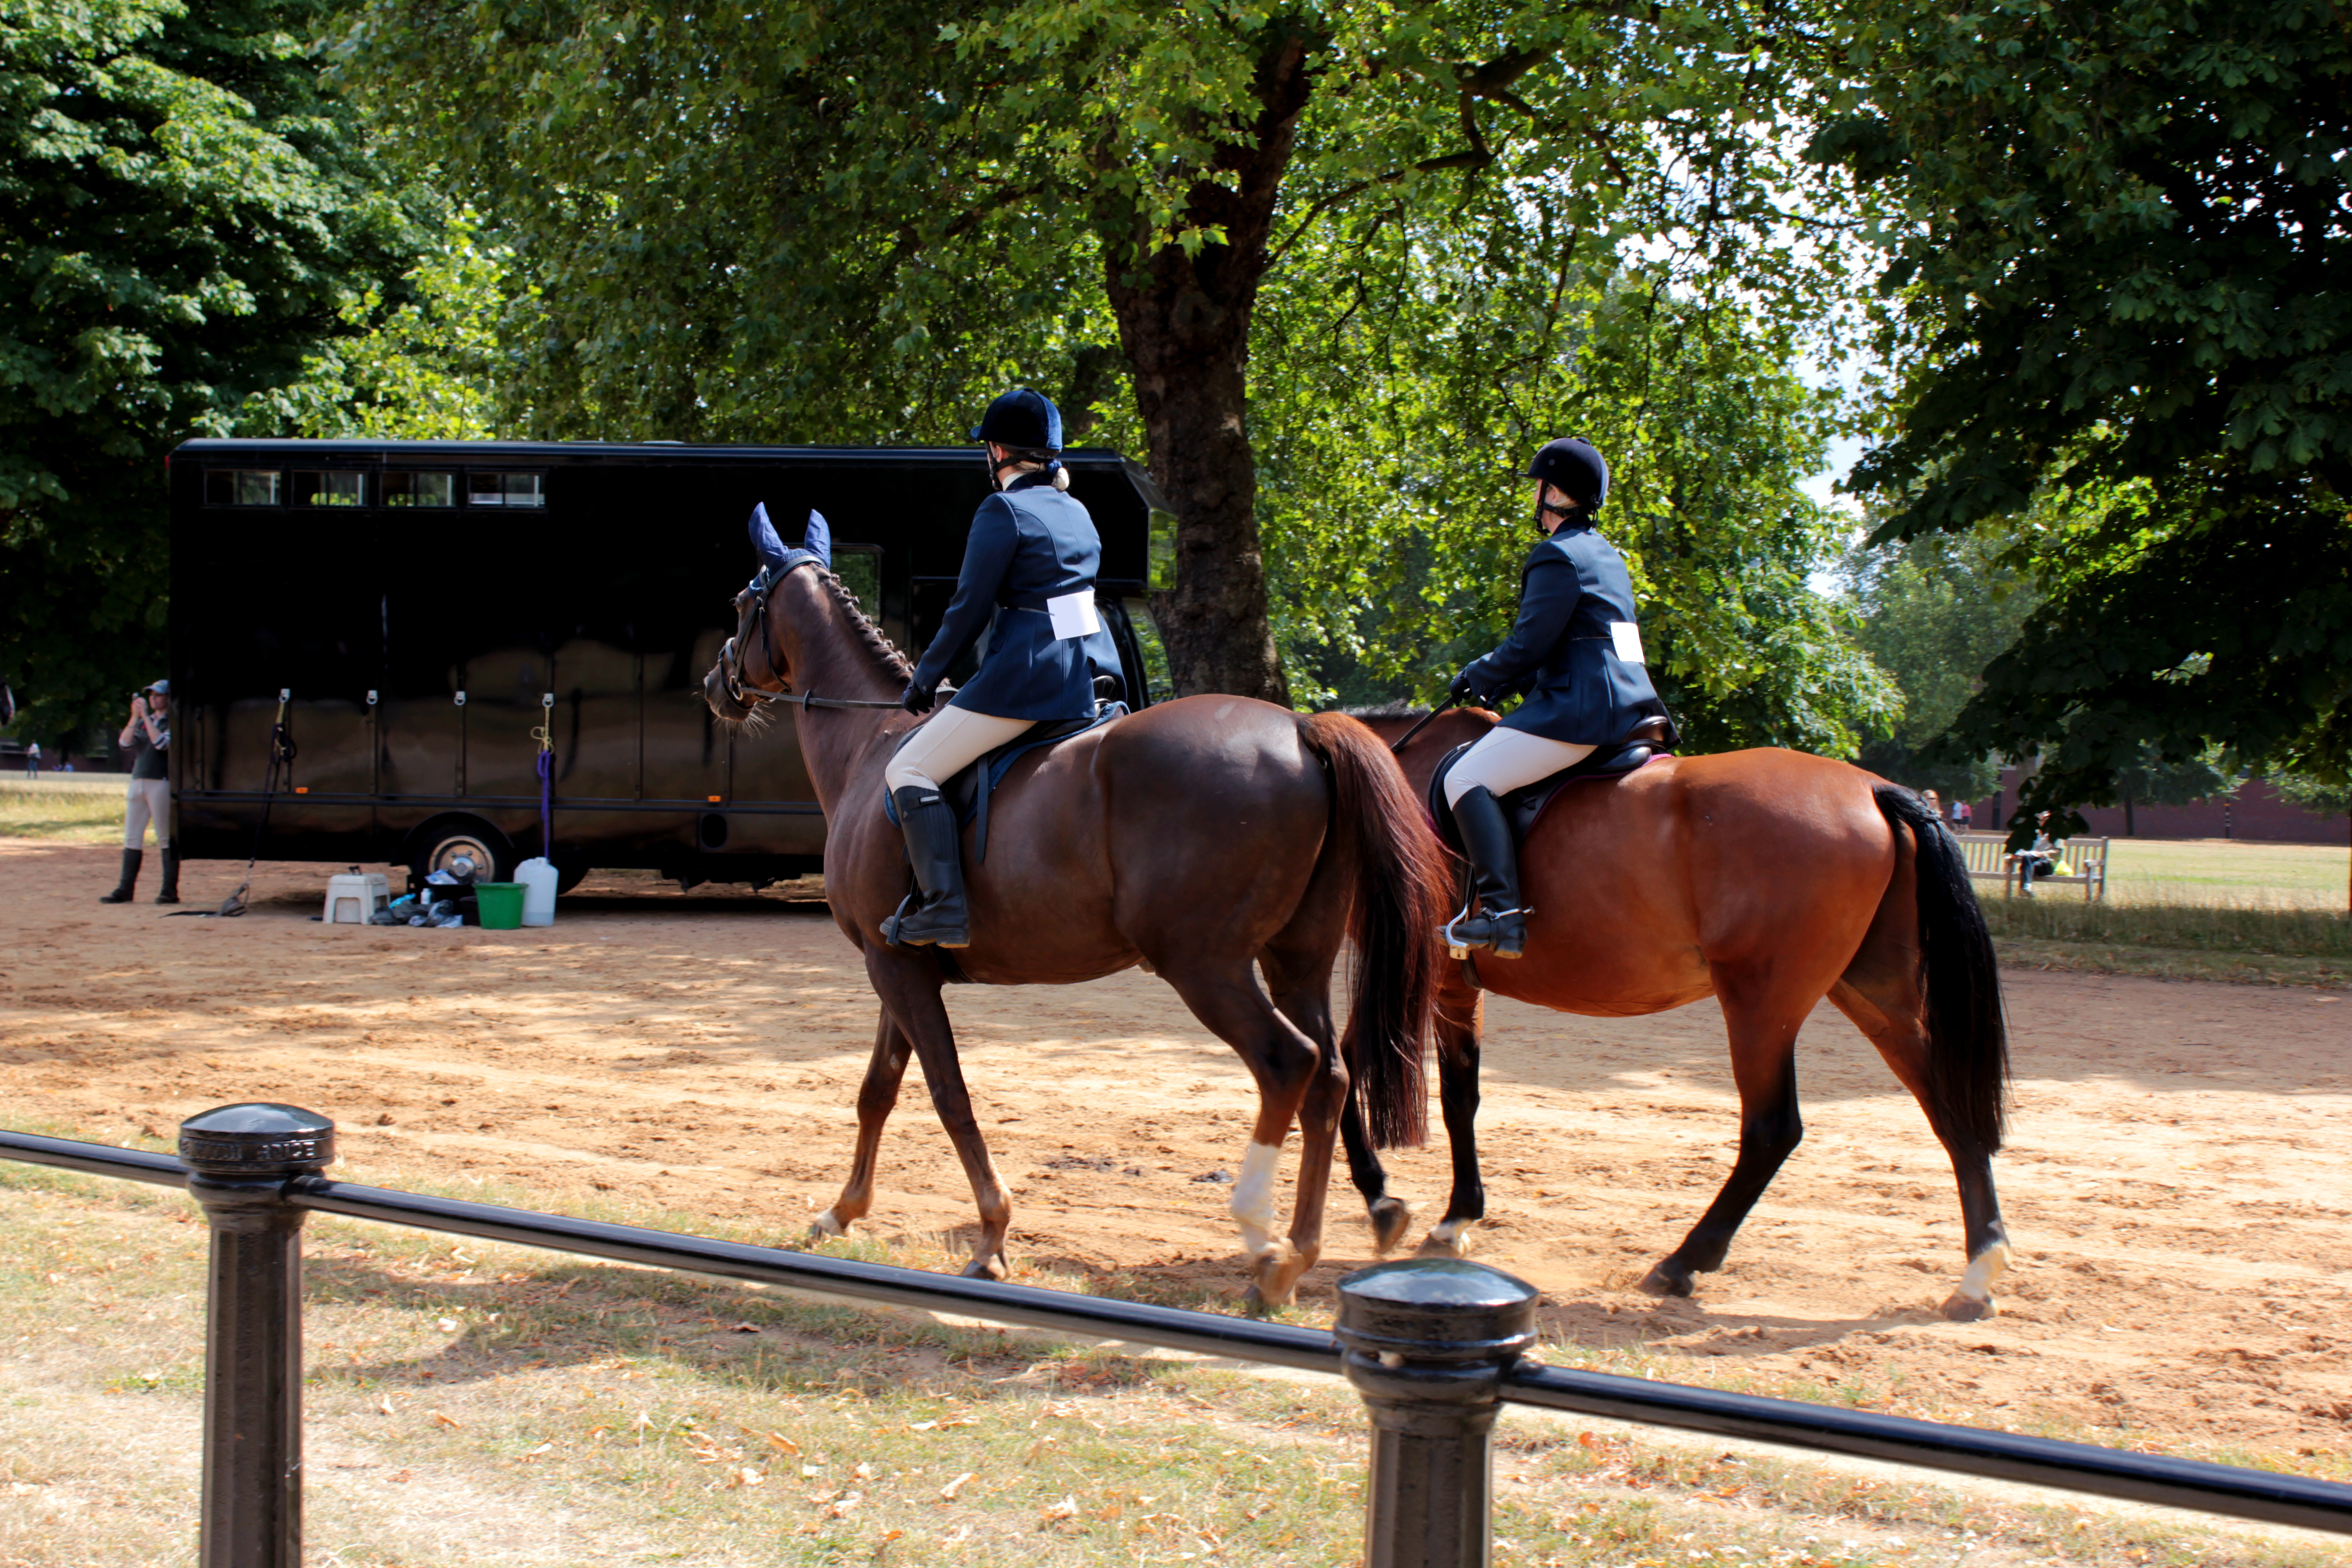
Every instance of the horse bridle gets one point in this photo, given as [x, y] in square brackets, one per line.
[730, 659]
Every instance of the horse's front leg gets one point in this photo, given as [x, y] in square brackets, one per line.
[876, 1097]
[908, 984]
[1460, 1014]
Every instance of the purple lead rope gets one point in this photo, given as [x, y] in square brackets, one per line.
[546, 811]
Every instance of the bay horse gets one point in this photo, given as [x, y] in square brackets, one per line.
[1196, 837]
[1766, 878]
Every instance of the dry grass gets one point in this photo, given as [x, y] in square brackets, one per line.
[477, 1404]
[63, 810]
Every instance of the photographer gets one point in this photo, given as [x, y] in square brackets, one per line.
[148, 738]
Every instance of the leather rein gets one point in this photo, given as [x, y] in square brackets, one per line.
[731, 661]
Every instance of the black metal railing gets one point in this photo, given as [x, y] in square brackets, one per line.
[1434, 1345]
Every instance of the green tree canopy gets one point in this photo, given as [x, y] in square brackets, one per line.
[852, 223]
[1933, 613]
[2122, 286]
[182, 216]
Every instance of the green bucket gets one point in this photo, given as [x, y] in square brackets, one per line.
[500, 904]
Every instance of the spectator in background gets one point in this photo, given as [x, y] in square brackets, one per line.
[33, 761]
[148, 739]
[1934, 803]
[1961, 815]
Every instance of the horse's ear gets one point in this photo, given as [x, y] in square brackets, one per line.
[764, 542]
[819, 539]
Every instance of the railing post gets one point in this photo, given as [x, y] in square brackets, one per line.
[1428, 1340]
[240, 1159]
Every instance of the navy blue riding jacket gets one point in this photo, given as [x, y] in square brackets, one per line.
[1562, 654]
[1030, 543]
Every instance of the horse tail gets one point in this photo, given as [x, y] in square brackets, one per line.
[1400, 877]
[1968, 1036]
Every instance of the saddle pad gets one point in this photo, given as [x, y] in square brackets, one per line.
[1523, 806]
[965, 791]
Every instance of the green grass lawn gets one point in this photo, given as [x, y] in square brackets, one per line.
[65, 808]
[2227, 871]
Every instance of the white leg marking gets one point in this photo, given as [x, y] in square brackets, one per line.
[1984, 1270]
[826, 1223]
[1445, 1232]
[1253, 1204]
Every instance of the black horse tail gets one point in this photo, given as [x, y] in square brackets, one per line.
[1400, 878]
[1968, 1036]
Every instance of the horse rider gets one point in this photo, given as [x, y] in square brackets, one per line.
[1576, 655]
[1028, 582]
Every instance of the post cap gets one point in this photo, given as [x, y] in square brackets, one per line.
[1436, 1308]
[256, 1141]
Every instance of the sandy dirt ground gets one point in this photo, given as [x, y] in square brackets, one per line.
[2177, 1184]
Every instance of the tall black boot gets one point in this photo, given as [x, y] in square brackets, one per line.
[169, 893]
[935, 848]
[130, 883]
[1501, 923]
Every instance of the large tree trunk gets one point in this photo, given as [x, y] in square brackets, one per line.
[1184, 323]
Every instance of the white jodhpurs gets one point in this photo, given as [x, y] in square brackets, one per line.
[1504, 760]
[150, 800]
[949, 742]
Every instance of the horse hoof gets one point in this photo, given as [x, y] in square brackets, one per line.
[825, 1225]
[1274, 1275]
[989, 1268]
[1390, 1219]
[1659, 1282]
[1960, 1309]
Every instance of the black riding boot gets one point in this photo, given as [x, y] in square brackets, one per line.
[130, 883]
[169, 893]
[935, 847]
[1501, 923]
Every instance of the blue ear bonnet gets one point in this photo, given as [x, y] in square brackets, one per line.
[816, 547]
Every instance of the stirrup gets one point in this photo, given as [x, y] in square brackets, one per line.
[1459, 945]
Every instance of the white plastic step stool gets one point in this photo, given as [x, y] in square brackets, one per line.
[355, 895]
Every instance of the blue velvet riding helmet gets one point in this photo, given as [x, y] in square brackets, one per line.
[1021, 418]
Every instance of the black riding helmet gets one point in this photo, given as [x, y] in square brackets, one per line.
[1023, 420]
[1577, 468]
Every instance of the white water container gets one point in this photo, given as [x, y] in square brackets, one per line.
[538, 879]
[355, 895]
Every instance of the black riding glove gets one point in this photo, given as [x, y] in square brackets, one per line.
[916, 699]
[1460, 691]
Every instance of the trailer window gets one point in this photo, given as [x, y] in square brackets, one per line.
[241, 486]
[420, 489]
[329, 487]
[504, 489]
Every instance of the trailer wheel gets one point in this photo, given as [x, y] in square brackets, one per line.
[440, 843]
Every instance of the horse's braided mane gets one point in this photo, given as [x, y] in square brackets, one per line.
[884, 650]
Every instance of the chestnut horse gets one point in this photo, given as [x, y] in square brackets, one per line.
[1197, 838]
[1766, 878]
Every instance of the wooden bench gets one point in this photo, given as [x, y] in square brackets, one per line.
[1989, 860]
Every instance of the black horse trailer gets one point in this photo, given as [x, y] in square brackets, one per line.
[426, 614]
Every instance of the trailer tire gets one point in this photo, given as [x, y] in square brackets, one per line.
[438, 842]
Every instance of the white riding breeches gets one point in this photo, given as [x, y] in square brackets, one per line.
[150, 800]
[952, 741]
[1505, 760]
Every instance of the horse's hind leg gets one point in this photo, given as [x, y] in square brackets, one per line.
[1763, 1029]
[908, 984]
[1301, 987]
[876, 1098]
[1290, 1072]
[1886, 1007]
